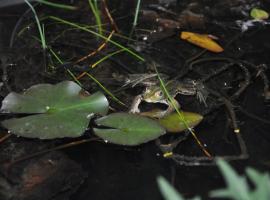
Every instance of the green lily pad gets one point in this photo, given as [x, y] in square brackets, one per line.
[260, 14]
[61, 110]
[173, 124]
[128, 129]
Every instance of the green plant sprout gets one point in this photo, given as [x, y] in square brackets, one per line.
[94, 7]
[40, 29]
[135, 20]
[237, 188]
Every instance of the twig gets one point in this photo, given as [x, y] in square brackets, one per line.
[102, 46]
[108, 14]
[2, 139]
[64, 146]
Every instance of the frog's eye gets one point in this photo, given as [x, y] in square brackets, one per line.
[159, 94]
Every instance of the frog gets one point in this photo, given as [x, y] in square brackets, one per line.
[155, 94]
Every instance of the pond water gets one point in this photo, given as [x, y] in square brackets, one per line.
[236, 82]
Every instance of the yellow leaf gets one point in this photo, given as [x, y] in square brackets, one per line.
[202, 40]
[173, 124]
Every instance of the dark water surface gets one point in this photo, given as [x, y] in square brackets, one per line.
[117, 172]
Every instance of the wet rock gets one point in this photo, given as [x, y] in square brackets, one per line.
[52, 176]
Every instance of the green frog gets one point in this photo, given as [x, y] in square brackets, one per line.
[154, 94]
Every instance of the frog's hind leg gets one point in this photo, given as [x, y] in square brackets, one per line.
[167, 149]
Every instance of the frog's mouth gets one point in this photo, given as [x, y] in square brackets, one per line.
[157, 101]
[148, 106]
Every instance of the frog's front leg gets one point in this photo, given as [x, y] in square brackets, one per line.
[169, 110]
[171, 107]
[135, 104]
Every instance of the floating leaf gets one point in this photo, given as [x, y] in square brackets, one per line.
[202, 40]
[172, 123]
[61, 111]
[128, 129]
[259, 14]
[154, 113]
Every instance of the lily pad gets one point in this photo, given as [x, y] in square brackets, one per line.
[61, 110]
[128, 129]
[173, 124]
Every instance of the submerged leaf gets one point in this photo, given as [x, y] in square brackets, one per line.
[128, 129]
[172, 123]
[259, 14]
[60, 110]
[202, 40]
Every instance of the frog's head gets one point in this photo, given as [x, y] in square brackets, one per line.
[154, 94]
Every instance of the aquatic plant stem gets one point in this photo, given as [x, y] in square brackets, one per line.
[96, 12]
[106, 57]
[90, 76]
[181, 116]
[108, 14]
[41, 33]
[60, 147]
[136, 13]
[135, 20]
[61, 62]
[105, 90]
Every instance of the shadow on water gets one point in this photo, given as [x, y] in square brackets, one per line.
[116, 172]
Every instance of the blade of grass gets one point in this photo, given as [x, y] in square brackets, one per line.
[135, 20]
[57, 5]
[41, 33]
[61, 62]
[106, 57]
[56, 56]
[96, 12]
[180, 114]
[136, 13]
[90, 76]
[74, 77]
[97, 34]
[105, 90]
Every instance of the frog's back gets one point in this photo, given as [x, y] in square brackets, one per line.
[185, 87]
